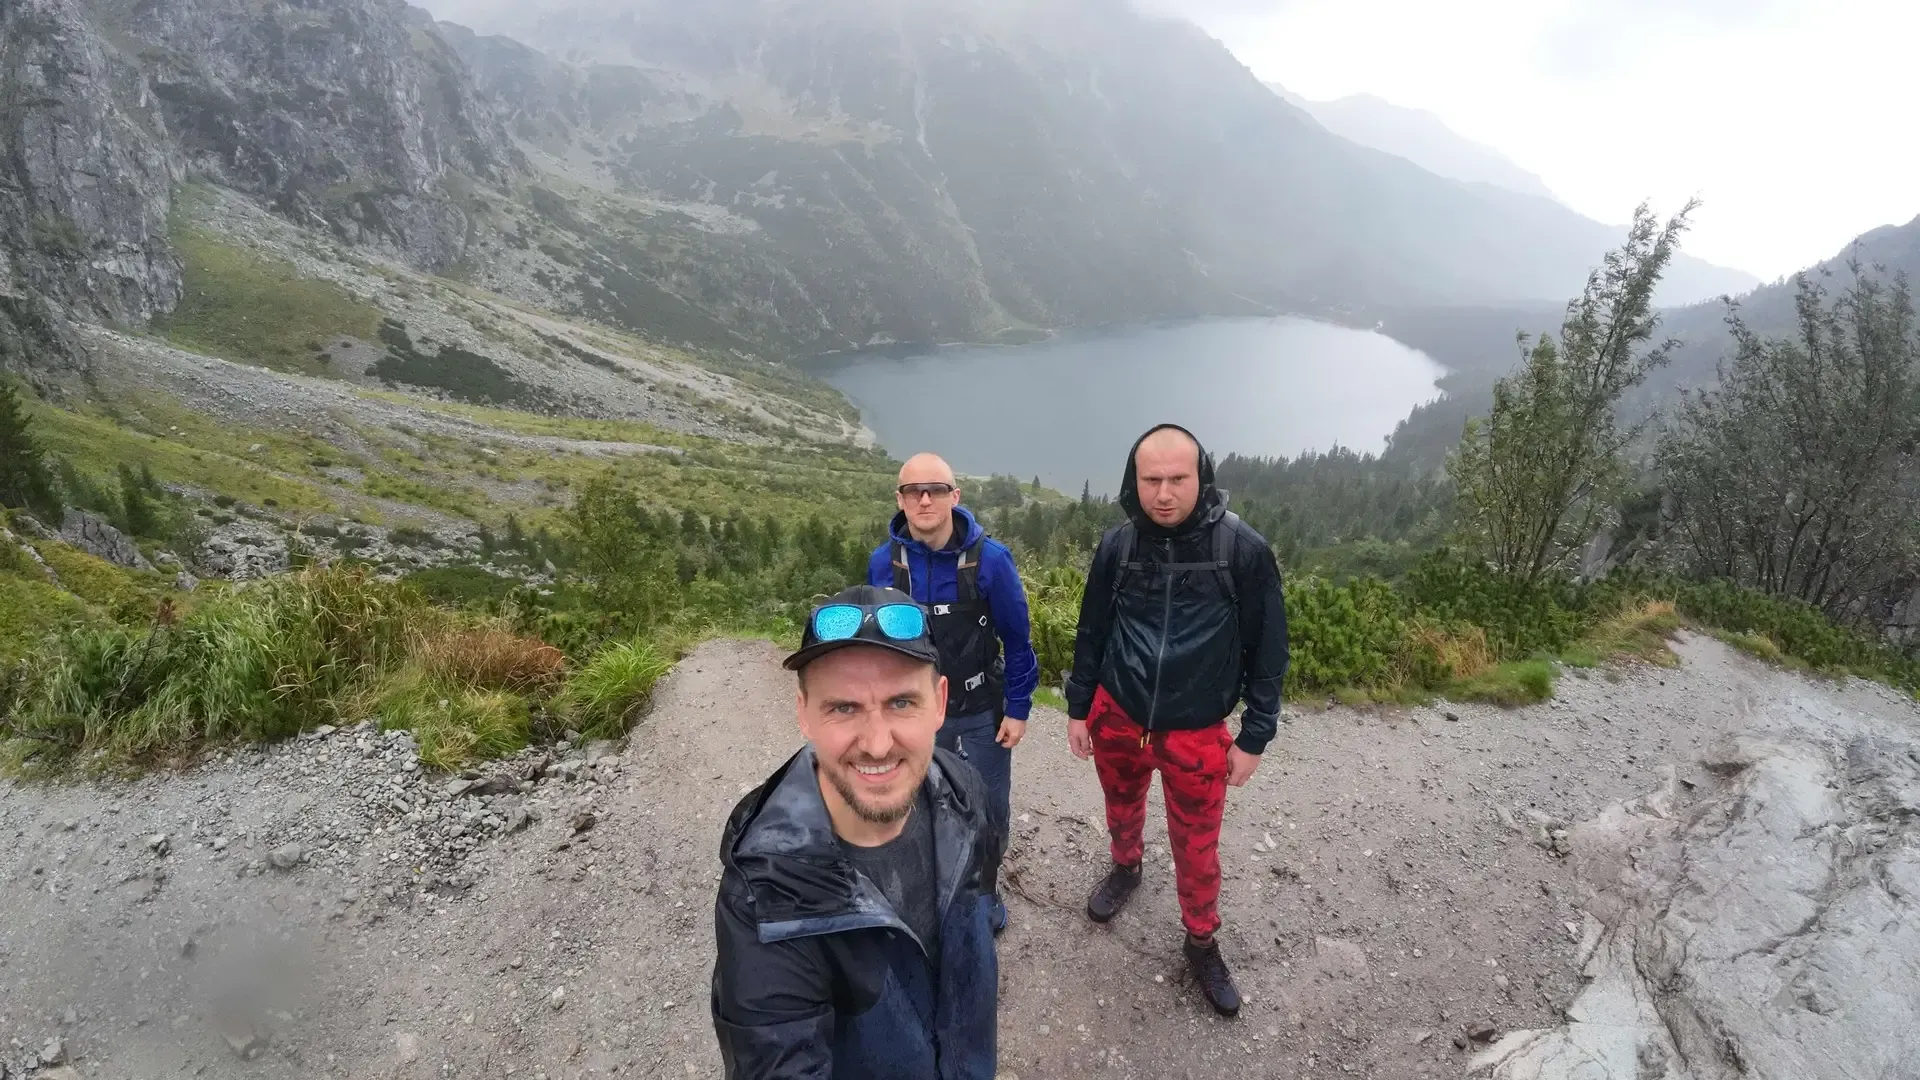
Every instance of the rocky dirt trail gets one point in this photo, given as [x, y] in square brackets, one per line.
[1393, 879]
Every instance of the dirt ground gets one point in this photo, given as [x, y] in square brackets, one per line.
[1376, 898]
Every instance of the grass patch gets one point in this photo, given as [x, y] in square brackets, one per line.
[97, 444]
[452, 724]
[1640, 630]
[604, 698]
[32, 610]
[245, 307]
[1048, 697]
[1756, 645]
[257, 664]
[487, 658]
[126, 595]
[1512, 684]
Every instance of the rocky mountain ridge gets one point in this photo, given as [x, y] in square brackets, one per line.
[748, 178]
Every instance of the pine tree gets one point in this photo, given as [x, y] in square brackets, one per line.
[1086, 492]
[25, 480]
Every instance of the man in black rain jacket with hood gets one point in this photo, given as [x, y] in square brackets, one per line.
[853, 922]
[1182, 620]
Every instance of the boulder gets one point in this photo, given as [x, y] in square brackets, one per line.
[93, 534]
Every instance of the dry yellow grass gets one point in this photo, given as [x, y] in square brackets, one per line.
[488, 659]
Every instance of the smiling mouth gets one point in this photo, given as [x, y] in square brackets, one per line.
[877, 774]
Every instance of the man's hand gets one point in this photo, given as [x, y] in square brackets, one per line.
[1079, 739]
[1240, 765]
[1011, 732]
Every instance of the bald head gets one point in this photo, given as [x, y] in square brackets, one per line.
[926, 469]
[1167, 476]
[1170, 442]
[927, 496]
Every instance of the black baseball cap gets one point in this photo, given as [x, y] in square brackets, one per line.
[869, 599]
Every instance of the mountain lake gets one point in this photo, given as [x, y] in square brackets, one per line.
[1067, 409]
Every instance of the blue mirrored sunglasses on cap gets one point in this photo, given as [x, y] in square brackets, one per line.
[838, 622]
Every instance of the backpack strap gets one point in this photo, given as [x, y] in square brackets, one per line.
[967, 571]
[902, 575]
[1225, 533]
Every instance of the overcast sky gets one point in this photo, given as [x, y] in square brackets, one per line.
[1793, 119]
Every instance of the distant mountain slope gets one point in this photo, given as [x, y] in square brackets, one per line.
[1039, 166]
[1769, 309]
[1419, 136]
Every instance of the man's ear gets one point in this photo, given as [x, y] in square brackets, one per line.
[800, 713]
[940, 694]
[956, 494]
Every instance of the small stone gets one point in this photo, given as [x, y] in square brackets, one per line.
[69, 825]
[157, 843]
[1459, 1042]
[286, 856]
[70, 1017]
[187, 948]
[63, 1072]
[54, 1052]
[1452, 717]
[518, 819]
[515, 963]
[1480, 1031]
[220, 843]
[583, 821]
[1045, 1029]
[558, 999]
[406, 1047]
[457, 788]
[1502, 981]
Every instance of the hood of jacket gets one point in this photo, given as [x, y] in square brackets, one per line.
[966, 530]
[780, 841]
[1211, 506]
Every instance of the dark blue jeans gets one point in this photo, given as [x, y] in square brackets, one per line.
[975, 738]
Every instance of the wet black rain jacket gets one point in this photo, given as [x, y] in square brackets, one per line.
[1178, 650]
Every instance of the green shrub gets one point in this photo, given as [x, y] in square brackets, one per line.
[1520, 618]
[462, 586]
[1343, 635]
[603, 699]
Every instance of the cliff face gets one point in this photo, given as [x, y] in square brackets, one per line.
[85, 177]
[350, 116]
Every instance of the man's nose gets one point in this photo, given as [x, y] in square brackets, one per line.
[875, 739]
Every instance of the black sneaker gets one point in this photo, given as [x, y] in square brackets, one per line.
[1113, 893]
[1216, 982]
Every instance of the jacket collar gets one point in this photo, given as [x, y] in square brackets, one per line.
[782, 844]
[966, 529]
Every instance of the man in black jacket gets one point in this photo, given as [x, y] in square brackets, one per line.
[853, 921]
[1182, 619]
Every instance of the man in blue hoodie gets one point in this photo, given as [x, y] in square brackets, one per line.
[943, 558]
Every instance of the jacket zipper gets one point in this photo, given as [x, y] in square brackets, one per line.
[1160, 655]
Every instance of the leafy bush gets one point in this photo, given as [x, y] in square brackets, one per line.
[1797, 629]
[603, 699]
[460, 586]
[1343, 635]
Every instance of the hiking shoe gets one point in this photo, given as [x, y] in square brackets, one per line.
[1216, 982]
[1113, 893]
[997, 919]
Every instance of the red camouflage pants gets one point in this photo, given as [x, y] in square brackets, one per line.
[1193, 778]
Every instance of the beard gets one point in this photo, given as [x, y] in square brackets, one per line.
[871, 807]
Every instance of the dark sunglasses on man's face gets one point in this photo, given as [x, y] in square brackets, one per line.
[926, 491]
